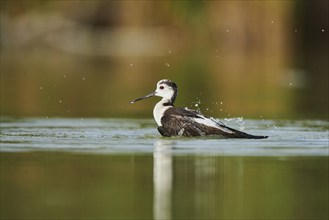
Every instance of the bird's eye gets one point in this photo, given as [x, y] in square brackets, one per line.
[161, 87]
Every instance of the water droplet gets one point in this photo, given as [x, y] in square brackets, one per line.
[41, 88]
[196, 104]
[290, 84]
[64, 76]
[167, 64]
[131, 64]
[83, 78]
[221, 103]
[322, 30]
[60, 101]
[296, 30]
[169, 51]
[227, 30]
[272, 22]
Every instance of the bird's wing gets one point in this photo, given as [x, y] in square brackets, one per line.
[201, 119]
[186, 122]
[218, 128]
[177, 125]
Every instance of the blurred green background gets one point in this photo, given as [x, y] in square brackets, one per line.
[258, 59]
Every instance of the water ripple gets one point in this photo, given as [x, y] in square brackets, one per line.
[287, 138]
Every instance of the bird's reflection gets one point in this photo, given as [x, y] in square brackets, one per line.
[162, 179]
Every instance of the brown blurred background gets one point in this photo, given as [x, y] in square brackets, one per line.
[257, 59]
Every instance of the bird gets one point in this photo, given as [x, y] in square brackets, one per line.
[174, 121]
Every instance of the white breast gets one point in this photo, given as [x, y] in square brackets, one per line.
[159, 110]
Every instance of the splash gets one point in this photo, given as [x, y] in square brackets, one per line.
[238, 121]
[197, 104]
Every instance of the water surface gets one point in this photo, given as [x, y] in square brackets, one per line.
[294, 138]
[63, 168]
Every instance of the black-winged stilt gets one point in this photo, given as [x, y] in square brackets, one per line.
[174, 121]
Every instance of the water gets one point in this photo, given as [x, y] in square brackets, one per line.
[64, 168]
[103, 136]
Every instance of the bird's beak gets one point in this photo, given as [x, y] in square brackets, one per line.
[143, 97]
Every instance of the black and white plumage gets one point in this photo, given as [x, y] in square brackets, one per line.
[174, 121]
